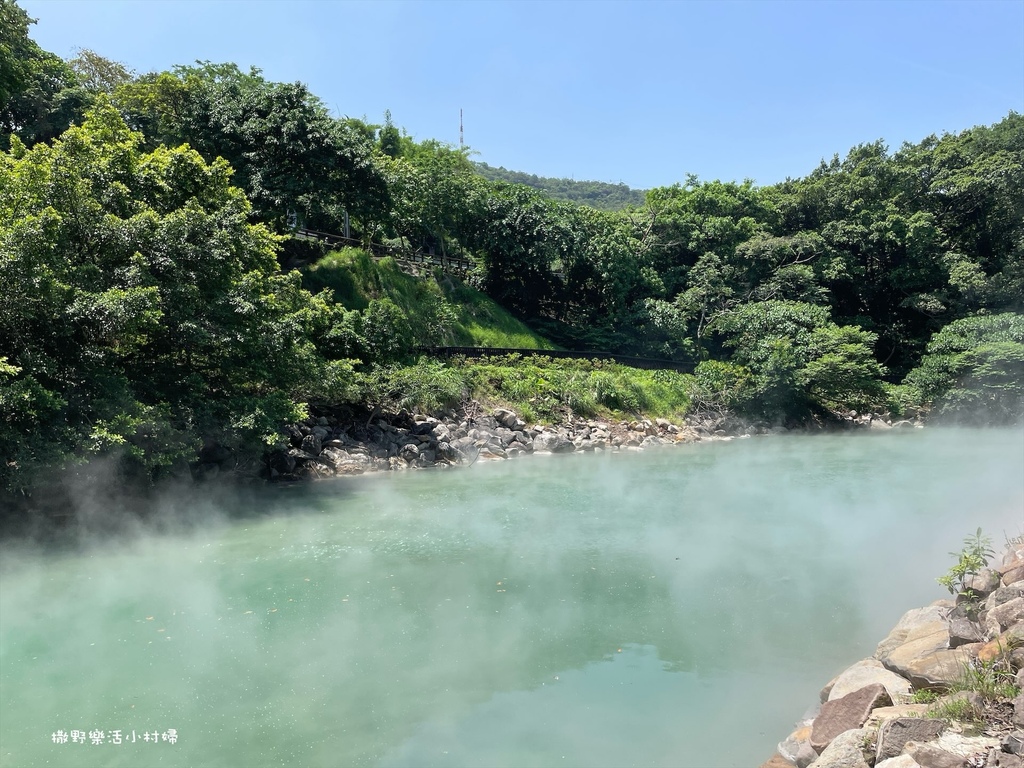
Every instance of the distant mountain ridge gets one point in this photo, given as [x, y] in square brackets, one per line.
[597, 194]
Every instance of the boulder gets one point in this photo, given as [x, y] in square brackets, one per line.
[1012, 569]
[311, 444]
[797, 748]
[894, 734]
[505, 417]
[864, 673]
[1004, 616]
[553, 443]
[911, 621]
[984, 583]
[846, 713]
[918, 649]
[929, 756]
[1018, 710]
[847, 750]
[1003, 644]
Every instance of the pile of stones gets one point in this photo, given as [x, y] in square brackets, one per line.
[866, 717]
[328, 447]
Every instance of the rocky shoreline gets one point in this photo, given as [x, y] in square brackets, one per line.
[335, 445]
[935, 692]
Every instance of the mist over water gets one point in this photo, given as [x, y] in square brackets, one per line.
[672, 608]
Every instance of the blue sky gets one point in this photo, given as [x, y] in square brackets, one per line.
[642, 92]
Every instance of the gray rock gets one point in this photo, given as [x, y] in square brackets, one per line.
[917, 648]
[552, 442]
[846, 713]
[999, 759]
[863, 673]
[1013, 743]
[311, 444]
[1006, 615]
[894, 734]
[847, 750]
[409, 452]
[929, 756]
[505, 417]
[963, 627]
[984, 583]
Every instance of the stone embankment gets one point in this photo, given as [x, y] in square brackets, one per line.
[965, 656]
[326, 446]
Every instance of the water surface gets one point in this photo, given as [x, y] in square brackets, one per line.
[672, 608]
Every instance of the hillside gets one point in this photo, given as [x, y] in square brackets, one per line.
[597, 194]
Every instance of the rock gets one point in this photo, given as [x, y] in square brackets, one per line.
[864, 673]
[928, 756]
[917, 648]
[964, 625]
[879, 424]
[903, 424]
[311, 444]
[1018, 711]
[505, 417]
[1006, 615]
[880, 715]
[409, 452]
[1002, 645]
[846, 713]
[847, 750]
[552, 442]
[797, 748]
[903, 761]
[1012, 569]
[999, 759]
[894, 734]
[1013, 743]
[776, 761]
[911, 621]
[1003, 595]
[984, 583]
[960, 745]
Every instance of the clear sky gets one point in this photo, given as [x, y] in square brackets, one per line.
[640, 92]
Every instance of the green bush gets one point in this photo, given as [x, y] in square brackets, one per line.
[974, 369]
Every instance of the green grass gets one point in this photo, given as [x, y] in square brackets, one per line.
[443, 310]
[537, 388]
[957, 709]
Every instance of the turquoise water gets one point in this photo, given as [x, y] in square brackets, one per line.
[671, 608]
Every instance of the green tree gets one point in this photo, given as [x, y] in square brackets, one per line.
[288, 153]
[140, 310]
[974, 369]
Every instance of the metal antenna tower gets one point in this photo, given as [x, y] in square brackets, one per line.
[462, 142]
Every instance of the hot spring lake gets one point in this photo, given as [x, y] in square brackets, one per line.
[678, 607]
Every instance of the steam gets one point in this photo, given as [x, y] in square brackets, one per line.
[379, 619]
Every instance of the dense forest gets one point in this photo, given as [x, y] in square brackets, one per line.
[597, 194]
[145, 310]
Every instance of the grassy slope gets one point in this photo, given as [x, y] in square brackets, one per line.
[473, 319]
